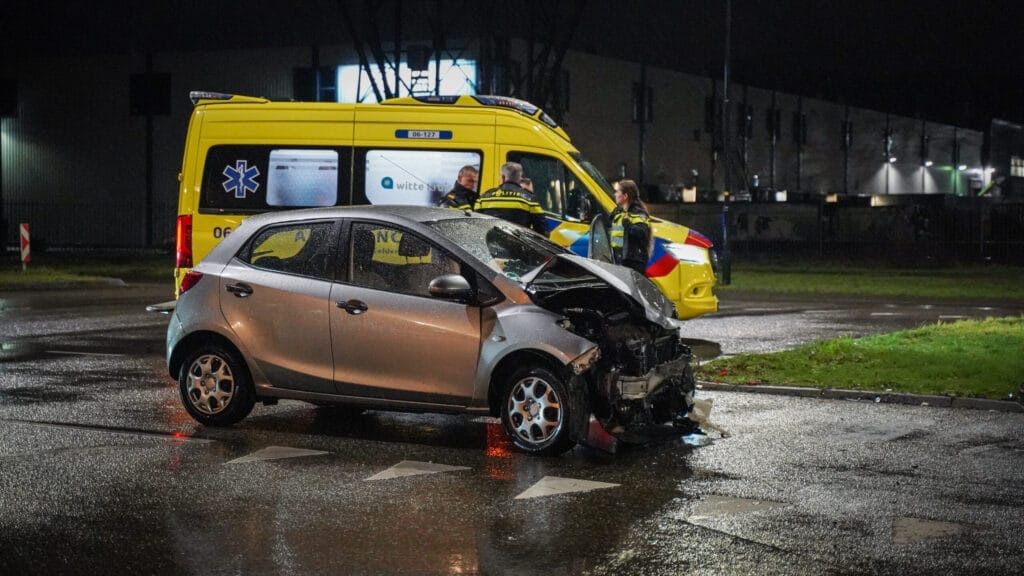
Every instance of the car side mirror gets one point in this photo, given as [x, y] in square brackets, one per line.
[450, 287]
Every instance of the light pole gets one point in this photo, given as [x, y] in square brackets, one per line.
[726, 261]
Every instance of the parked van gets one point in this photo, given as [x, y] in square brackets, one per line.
[246, 155]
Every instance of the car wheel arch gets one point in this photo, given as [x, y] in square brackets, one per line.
[193, 342]
[513, 361]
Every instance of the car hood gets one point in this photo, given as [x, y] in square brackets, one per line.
[657, 308]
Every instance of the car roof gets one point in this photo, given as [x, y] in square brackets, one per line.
[393, 213]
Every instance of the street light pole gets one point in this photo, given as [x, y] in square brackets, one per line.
[726, 262]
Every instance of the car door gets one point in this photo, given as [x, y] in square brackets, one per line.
[276, 296]
[391, 339]
[567, 203]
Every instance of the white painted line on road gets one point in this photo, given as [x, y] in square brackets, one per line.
[276, 453]
[83, 353]
[885, 313]
[910, 530]
[951, 317]
[551, 485]
[714, 505]
[486, 420]
[414, 468]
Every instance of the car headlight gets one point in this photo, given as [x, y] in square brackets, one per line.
[688, 253]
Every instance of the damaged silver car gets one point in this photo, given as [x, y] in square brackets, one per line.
[427, 310]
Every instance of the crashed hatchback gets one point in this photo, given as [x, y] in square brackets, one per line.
[427, 310]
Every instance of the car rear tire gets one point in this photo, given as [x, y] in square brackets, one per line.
[540, 413]
[215, 386]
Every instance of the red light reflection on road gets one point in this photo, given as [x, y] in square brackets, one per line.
[499, 454]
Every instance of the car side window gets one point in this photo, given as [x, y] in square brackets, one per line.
[389, 258]
[304, 249]
[555, 187]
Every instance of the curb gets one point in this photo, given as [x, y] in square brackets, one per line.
[98, 282]
[879, 397]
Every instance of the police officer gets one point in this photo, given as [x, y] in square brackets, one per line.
[631, 228]
[463, 195]
[512, 202]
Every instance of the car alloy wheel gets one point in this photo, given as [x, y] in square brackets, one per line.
[215, 386]
[535, 410]
[210, 385]
[539, 412]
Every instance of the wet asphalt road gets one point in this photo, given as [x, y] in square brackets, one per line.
[101, 470]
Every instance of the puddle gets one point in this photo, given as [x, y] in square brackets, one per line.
[32, 395]
[12, 351]
[703, 349]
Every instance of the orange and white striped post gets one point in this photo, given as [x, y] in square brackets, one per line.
[26, 248]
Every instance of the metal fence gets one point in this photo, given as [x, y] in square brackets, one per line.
[914, 231]
[59, 224]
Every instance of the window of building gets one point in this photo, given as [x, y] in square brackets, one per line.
[457, 76]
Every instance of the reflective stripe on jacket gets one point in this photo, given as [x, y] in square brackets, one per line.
[510, 202]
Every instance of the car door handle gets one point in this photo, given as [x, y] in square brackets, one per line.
[240, 290]
[354, 307]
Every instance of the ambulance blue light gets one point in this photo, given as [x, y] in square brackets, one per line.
[437, 99]
[197, 95]
[506, 102]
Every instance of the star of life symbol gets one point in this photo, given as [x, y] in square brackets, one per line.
[241, 178]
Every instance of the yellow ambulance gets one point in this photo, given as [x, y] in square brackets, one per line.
[246, 155]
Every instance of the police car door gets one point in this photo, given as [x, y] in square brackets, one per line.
[566, 202]
[391, 339]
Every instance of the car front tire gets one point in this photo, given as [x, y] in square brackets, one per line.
[215, 386]
[540, 413]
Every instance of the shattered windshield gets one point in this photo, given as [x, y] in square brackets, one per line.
[506, 248]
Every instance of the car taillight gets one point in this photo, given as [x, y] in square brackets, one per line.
[183, 243]
[191, 279]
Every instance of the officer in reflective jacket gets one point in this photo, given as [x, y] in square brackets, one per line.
[463, 195]
[512, 202]
[631, 227]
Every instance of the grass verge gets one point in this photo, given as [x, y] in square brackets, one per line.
[48, 268]
[969, 358]
[975, 282]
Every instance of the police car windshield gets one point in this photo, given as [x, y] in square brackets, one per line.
[502, 246]
[594, 173]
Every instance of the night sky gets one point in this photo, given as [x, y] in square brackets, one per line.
[958, 62]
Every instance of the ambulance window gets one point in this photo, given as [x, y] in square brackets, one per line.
[416, 177]
[249, 179]
[305, 249]
[555, 187]
[391, 259]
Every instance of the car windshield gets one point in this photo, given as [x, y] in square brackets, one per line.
[509, 249]
[594, 173]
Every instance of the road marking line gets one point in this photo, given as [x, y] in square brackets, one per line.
[907, 530]
[951, 317]
[551, 485]
[713, 505]
[885, 313]
[414, 468]
[276, 453]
